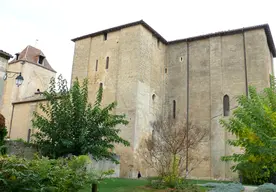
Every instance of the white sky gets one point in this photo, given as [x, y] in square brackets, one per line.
[55, 22]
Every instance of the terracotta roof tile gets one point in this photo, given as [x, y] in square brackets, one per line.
[31, 55]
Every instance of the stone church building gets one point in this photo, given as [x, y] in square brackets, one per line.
[196, 79]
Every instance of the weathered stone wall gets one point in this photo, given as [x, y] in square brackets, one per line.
[136, 64]
[21, 149]
[217, 66]
[196, 75]
[3, 68]
[26, 150]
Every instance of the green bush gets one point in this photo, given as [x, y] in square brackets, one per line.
[3, 134]
[267, 187]
[253, 174]
[178, 186]
[186, 187]
[224, 187]
[43, 174]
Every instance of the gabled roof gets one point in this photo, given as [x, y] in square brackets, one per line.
[5, 55]
[31, 54]
[162, 39]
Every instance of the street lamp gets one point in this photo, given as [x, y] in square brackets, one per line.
[18, 80]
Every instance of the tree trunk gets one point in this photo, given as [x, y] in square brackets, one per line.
[94, 187]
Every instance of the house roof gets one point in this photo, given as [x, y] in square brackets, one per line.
[162, 39]
[5, 55]
[31, 55]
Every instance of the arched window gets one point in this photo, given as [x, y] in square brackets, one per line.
[101, 85]
[153, 96]
[226, 105]
[174, 109]
[107, 63]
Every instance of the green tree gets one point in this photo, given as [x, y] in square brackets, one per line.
[70, 124]
[3, 134]
[254, 125]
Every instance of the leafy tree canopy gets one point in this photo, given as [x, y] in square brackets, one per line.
[254, 125]
[70, 124]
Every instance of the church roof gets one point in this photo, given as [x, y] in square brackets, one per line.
[162, 39]
[5, 54]
[31, 55]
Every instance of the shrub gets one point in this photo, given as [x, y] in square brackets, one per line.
[267, 187]
[177, 186]
[43, 174]
[186, 187]
[3, 134]
[158, 184]
[223, 187]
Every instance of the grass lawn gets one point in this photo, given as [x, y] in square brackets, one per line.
[132, 185]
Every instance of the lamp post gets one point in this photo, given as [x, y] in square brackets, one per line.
[18, 80]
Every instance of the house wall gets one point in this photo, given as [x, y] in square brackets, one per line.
[35, 77]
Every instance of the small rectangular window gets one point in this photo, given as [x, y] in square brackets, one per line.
[107, 63]
[96, 68]
[40, 59]
[105, 36]
[174, 109]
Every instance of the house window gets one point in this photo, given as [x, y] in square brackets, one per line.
[174, 109]
[166, 70]
[96, 68]
[40, 59]
[101, 85]
[107, 63]
[226, 105]
[105, 36]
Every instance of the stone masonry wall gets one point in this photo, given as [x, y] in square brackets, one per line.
[145, 76]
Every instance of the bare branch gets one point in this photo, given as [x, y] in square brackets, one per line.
[170, 139]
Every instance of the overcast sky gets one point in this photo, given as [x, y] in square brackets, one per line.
[55, 22]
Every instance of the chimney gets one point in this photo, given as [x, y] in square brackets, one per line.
[16, 56]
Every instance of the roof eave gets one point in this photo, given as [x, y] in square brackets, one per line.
[222, 33]
[5, 55]
[270, 41]
[141, 22]
[12, 62]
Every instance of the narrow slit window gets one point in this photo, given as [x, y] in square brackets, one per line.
[166, 70]
[174, 109]
[107, 63]
[29, 136]
[105, 36]
[158, 43]
[226, 105]
[96, 68]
